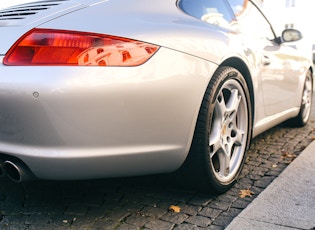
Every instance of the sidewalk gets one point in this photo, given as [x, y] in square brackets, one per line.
[287, 203]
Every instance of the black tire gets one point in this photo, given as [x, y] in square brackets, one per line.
[222, 133]
[306, 103]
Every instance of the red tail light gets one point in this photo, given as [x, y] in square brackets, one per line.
[69, 48]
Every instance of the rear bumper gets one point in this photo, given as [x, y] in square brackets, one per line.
[77, 164]
[92, 122]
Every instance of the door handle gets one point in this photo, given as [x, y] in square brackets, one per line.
[265, 60]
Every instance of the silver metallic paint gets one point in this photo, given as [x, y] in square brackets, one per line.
[91, 122]
[87, 115]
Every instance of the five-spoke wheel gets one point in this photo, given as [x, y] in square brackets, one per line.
[223, 131]
[228, 131]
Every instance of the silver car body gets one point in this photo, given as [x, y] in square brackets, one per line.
[92, 122]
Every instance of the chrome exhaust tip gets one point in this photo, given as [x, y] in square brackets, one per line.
[16, 172]
[13, 171]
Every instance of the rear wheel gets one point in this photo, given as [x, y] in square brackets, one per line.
[222, 133]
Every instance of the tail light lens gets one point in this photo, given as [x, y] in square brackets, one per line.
[68, 48]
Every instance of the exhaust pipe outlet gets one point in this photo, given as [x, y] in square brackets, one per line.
[17, 172]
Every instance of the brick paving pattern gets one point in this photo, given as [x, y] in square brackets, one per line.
[143, 202]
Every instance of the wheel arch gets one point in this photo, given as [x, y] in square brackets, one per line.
[243, 69]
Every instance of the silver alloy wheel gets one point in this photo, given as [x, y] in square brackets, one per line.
[229, 131]
[222, 135]
[307, 98]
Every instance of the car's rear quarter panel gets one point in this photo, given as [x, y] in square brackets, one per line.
[102, 121]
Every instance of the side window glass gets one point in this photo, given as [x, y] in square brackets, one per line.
[238, 6]
[216, 12]
[251, 21]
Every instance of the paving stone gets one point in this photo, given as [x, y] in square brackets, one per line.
[272, 173]
[219, 205]
[35, 218]
[253, 176]
[201, 200]
[176, 218]
[233, 192]
[189, 209]
[83, 223]
[210, 212]
[240, 204]
[227, 198]
[137, 220]
[223, 221]
[105, 224]
[153, 211]
[187, 227]
[118, 214]
[232, 212]
[244, 183]
[256, 190]
[264, 182]
[199, 221]
[215, 227]
[159, 224]
[125, 226]
[165, 204]
[60, 220]
[98, 212]
[149, 200]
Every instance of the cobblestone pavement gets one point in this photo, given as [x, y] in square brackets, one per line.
[143, 202]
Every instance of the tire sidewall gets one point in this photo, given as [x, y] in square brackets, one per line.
[215, 86]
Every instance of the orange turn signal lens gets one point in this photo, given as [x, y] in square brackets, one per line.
[48, 47]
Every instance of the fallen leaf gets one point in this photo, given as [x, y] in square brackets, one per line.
[174, 208]
[288, 155]
[245, 193]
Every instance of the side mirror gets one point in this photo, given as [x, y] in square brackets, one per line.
[291, 35]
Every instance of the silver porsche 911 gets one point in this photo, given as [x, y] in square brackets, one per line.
[111, 88]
